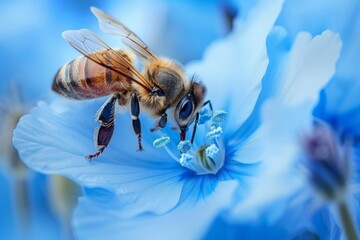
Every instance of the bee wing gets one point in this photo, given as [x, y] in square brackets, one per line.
[110, 25]
[90, 45]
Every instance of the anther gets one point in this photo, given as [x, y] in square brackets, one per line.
[186, 159]
[184, 146]
[214, 132]
[219, 116]
[205, 115]
[211, 151]
[161, 141]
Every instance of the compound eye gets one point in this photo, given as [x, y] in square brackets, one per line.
[186, 109]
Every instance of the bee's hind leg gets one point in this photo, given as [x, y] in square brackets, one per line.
[102, 135]
[135, 111]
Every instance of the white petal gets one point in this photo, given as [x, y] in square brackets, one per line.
[311, 64]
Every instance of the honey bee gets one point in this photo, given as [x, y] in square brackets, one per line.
[160, 88]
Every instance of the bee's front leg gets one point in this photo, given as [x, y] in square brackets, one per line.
[208, 102]
[135, 111]
[195, 127]
[105, 116]
[161, 123]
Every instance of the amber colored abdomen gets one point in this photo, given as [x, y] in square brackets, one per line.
[84, 79]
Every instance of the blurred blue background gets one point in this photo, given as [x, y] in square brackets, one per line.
[35, 206]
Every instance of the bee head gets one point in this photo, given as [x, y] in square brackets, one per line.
[188, 106]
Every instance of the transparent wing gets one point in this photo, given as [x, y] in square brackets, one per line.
[110, 25]
[90, 45]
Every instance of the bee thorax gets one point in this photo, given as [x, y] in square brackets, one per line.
[170, 83]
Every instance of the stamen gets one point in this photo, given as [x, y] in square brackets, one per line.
[184, 146]
[206, 155]
[211, 151]
[186, 159]
[207, 163]
[161, 141]
[205, 115]
[219, 116]
[214, 132]
[214, 125]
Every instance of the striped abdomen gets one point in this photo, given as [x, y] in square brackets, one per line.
[84, 79]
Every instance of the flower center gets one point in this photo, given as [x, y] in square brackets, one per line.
[206, 154]
[204, 159]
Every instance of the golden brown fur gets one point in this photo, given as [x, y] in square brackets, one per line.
[83, 78]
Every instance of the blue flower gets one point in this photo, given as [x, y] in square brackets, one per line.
[31, 51]
[300, 204]
[132, 194]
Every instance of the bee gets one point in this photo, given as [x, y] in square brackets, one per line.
[160, 88]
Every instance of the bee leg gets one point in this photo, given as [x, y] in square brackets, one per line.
[103, 136]
[135, 111]
[208, 102]
[161, 123]
[105, 116]
[195, 126]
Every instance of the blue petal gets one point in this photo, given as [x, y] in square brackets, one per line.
[278, 221]
[339, 101]
[277, 47]
[233, 68]
[338, 16]
[187, 221]
[150, 180]
[325, 224]
[295, 76]
[310, 66]
[339, 105]
[276, 143]
[223, 228]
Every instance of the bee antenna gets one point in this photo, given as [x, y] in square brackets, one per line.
[195, 78]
